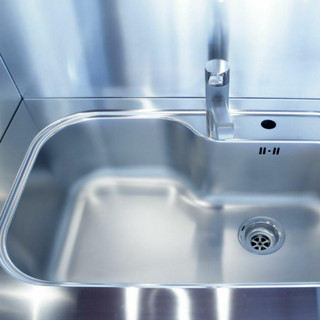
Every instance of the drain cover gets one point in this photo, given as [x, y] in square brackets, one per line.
[261, 235]
[260, 242]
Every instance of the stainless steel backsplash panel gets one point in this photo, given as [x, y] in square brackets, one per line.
[125, 48]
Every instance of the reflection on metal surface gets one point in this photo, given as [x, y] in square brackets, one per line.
[148, 48]
[40, 300]
[43, 297]
[247, 114]
[125, 174]
[132, 296]
[218, 30]
[217, 77]
[184, 310]
[13, 148]
[84, 303]
[224, 304]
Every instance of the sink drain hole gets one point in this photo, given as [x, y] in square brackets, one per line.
[261, 235]
[260, 242]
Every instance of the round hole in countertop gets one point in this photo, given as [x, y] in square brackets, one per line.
[268, 124]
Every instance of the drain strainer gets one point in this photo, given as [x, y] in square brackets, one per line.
[261, 235]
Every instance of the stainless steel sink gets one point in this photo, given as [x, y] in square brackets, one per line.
[147, 200]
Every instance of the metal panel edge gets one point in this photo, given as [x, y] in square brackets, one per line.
[9, 98]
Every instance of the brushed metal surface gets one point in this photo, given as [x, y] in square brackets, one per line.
[20, 300]
[295, 119]
[149, 48]
[116, 198]
[13, 148]
[9, 98]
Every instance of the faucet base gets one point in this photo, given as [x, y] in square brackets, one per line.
[220, 125]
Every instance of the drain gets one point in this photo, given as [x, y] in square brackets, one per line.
[260, 242]
[261, 235]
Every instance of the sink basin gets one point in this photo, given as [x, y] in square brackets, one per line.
[110, 201]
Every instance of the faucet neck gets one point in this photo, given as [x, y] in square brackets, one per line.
[217, 76]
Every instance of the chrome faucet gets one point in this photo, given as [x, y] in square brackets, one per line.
[219, 121]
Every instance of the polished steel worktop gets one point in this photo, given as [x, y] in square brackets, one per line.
[22, 300]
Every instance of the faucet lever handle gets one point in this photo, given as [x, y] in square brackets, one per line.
[217, 72]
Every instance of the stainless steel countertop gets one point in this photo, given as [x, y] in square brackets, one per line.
[19, 300]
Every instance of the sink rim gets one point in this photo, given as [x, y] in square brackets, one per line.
[20, 181]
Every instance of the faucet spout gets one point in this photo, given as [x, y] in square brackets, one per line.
[220, 125]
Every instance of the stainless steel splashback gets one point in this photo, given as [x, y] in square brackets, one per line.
[9, 98]
[151, 48]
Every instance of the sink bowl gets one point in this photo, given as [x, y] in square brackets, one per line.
[148, 201]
